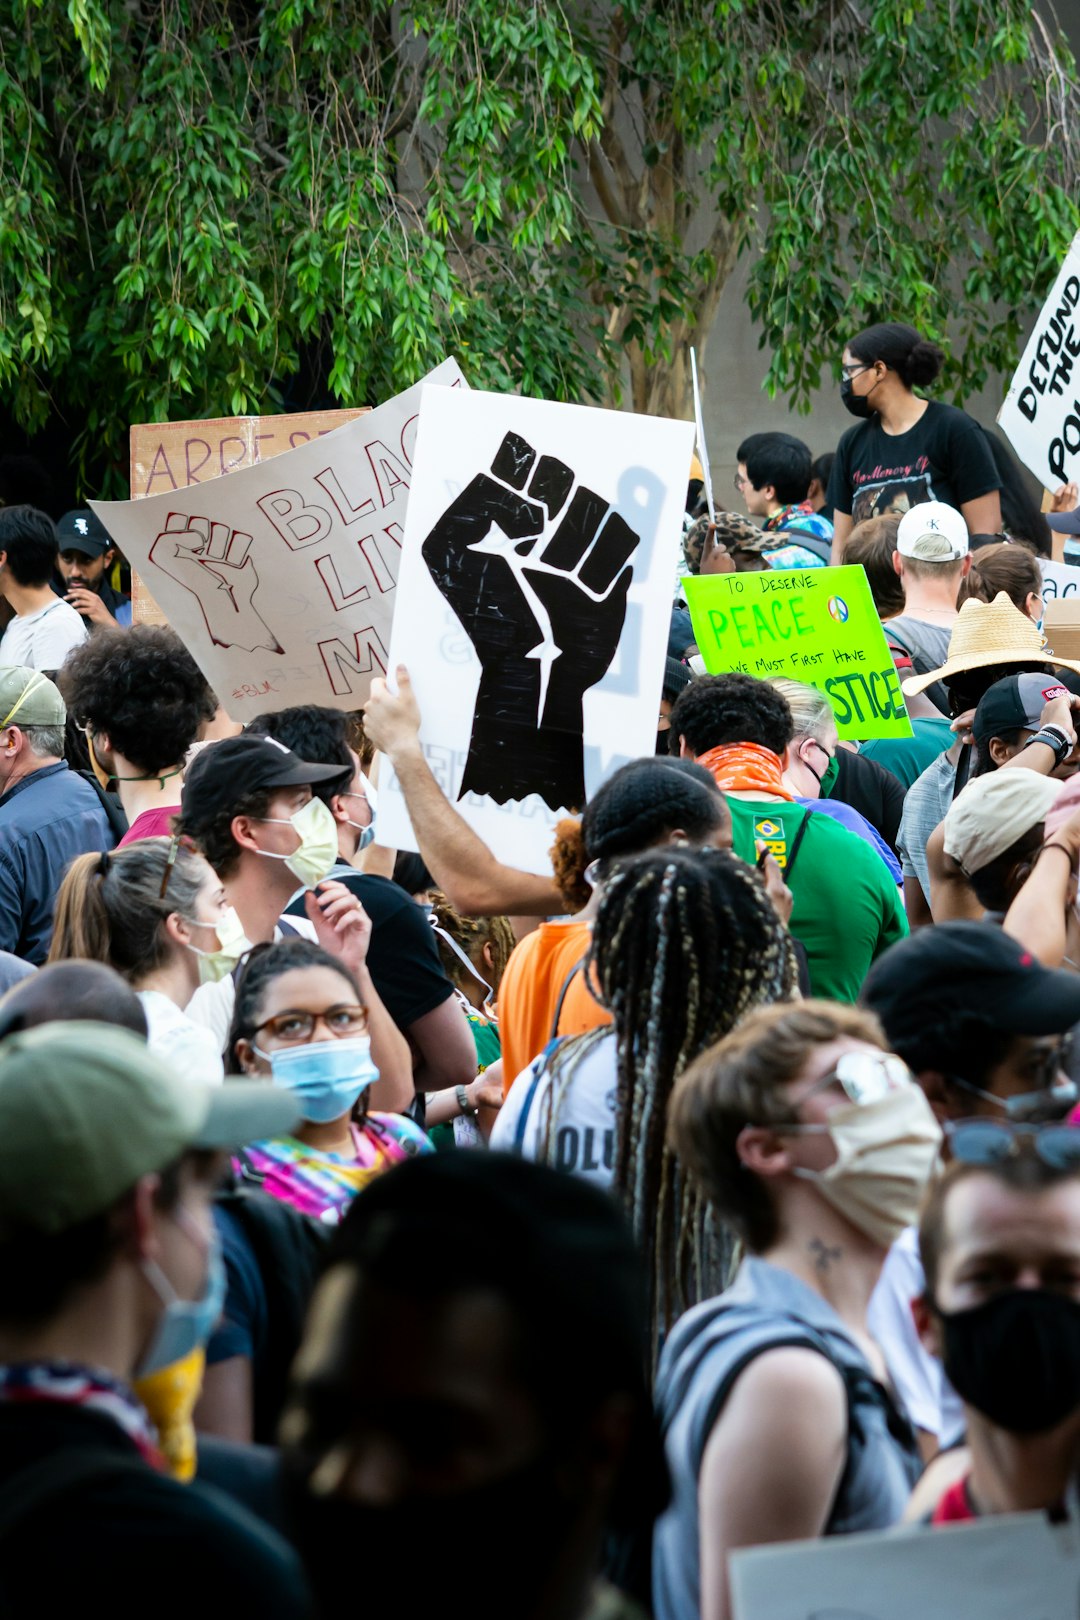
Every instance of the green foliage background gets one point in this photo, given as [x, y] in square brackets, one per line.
[206, 204]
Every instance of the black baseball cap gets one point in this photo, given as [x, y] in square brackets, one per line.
[222, 771]
[80, 530]
[1015, 704]
[952, 967]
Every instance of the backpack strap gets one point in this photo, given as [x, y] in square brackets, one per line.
[530, 1095]
[553, 1032]
[797, 845]
[51, 1478]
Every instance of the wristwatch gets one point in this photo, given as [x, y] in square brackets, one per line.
[463, 1101]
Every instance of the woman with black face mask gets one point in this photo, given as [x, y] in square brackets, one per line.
[905, 449]
[1000, 1243]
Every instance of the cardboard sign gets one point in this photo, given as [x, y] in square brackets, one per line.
[281, 577]
[1000, 1569]
[534, 606]
[1041, 413]
[817, 625]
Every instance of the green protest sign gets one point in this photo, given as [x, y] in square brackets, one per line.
[817, 625]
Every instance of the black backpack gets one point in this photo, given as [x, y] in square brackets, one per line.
[288, 1248]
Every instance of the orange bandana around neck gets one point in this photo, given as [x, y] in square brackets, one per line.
[746, 768]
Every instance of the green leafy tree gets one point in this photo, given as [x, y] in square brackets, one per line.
[224, 206]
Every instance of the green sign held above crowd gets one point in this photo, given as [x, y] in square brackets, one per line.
[814, 625]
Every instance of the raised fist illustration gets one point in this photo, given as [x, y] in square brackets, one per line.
[214, 563]
[537, 570]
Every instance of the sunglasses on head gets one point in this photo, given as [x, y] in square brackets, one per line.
[992, 1141]
[864, 1077]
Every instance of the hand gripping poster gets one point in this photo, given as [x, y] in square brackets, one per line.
[534, 605]
[281, 577]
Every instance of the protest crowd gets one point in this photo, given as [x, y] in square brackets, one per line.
[385, 1221]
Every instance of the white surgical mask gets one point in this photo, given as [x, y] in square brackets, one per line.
[318, 852]
[232, 944]
[887, 1152]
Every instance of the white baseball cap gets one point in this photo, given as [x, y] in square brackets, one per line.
[993, 812]
[933, 532]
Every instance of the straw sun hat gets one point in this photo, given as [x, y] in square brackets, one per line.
[988, 633]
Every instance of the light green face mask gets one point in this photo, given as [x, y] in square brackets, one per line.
[232, 945]
[317, 831]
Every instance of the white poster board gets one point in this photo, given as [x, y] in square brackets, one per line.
[535, 603]
[281, 578]
[1016, 1567]
[1041, 413]
[1059, 580]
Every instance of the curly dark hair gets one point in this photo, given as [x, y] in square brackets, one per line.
[142, 689]
[719, 709]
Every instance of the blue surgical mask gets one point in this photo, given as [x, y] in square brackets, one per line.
[187, 1323]
[371, 799]
[327, 1077]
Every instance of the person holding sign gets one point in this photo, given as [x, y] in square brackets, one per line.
[905, 449]
[847, 908]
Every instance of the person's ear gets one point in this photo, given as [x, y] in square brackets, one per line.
[940, 1095]
[487, 955]
[927, 1325]
[762, 1151]
[102, 743]
[337, 808]
[1000, 751]
[177, 929]
[675, 836]
[247, 1057]
[684, 751]
[138, 1220]
[898, 565]
[965, 567]
[240, 827]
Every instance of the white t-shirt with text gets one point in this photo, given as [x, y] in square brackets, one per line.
[583, 1133]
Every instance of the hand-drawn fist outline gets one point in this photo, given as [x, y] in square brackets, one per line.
[214, 563]
[539, 583]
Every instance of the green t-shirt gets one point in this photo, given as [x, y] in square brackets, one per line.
[908, 757]
[847, 908]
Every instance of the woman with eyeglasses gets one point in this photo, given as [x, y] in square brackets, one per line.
[298, 1019]
[156, 912]
[918, 449]
[814, 1143]
[813, 763]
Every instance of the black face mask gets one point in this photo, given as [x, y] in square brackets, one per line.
[857, 404]
[663, 739]
[419, 1541]
[1016, 1358]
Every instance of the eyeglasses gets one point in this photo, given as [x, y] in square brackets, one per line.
[864, 1077]
[740, 482]
[295, 1027]
[993, 1141]
[853, 371]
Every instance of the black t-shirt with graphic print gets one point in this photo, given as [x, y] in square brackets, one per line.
[944, 457]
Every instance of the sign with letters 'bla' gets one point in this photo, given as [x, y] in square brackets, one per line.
[816, 625]
[281, 577]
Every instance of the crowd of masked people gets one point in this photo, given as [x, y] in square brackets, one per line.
[387, 1229]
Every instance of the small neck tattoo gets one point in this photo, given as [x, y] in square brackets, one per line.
[823, 1256]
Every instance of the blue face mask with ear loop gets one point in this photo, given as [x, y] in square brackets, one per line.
[187, 1324]
[326, 1077]
[371, 798]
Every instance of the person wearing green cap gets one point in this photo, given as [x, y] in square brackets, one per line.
[48, 814]
[108, 1162]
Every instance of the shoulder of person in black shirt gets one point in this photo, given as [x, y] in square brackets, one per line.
[872, 790]
[404, 958]
[144, 1542]
[944, 456]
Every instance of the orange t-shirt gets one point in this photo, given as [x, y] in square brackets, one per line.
[535, 974]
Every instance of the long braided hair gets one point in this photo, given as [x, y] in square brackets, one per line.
[685, 943]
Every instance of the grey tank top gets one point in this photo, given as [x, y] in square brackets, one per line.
[766, 1308]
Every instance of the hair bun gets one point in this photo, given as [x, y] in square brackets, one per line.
[923, 363]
